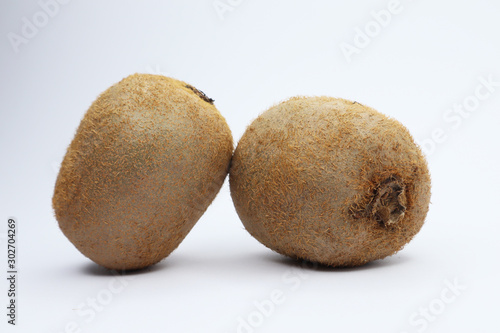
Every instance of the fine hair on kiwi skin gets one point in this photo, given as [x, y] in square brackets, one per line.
[330, 181]
[148, 158]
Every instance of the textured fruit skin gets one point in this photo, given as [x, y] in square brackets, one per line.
[148, 158]
[308, 174]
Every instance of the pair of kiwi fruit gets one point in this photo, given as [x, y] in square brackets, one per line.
[320, 179]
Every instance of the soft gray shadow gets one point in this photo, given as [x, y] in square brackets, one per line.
[304, 264]
[91, 268]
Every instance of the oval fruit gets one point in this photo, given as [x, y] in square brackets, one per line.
[147, 160]
[329, 181]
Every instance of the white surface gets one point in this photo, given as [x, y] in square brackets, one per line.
[429, 57]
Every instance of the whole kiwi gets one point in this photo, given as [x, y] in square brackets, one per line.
[147, 160]
[329, 181]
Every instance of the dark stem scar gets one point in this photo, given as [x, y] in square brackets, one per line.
[201, 94]
[387, 204]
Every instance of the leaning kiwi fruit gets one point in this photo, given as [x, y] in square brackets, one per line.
[330, 181]
[147, 160]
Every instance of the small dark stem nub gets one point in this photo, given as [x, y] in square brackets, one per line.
[201, 94]
[388, 206]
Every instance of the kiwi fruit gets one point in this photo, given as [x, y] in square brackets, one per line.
[329, 181]
[148, 158]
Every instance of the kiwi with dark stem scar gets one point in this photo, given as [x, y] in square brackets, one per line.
[147, 160]
[330, 181]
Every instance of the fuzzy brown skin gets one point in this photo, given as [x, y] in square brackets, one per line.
[329, 181]
[147, 160]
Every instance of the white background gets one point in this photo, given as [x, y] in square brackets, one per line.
[428, 58]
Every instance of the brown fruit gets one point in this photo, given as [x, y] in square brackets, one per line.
[147, 160]
[329, 181]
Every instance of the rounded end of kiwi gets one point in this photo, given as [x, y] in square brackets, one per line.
[388, 205]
